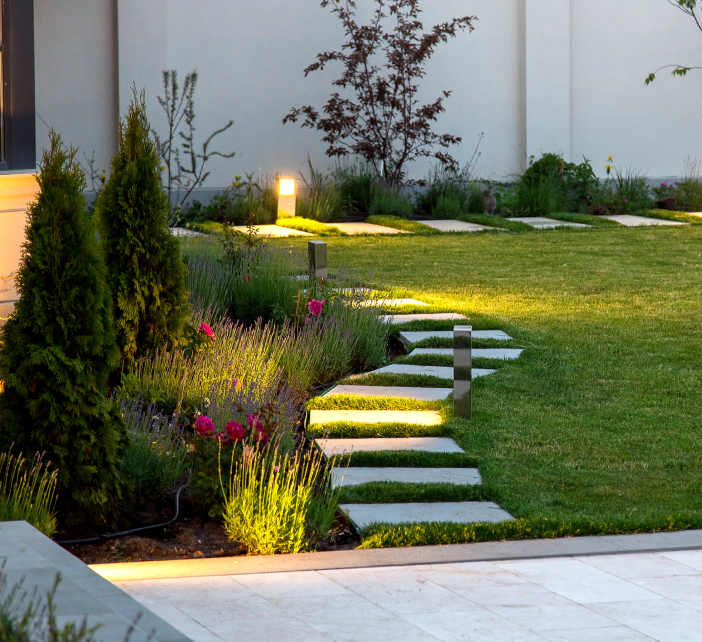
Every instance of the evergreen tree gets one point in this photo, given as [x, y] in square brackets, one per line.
[144, 270]
[58, 349]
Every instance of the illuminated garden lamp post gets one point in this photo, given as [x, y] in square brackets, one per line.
[286, 198]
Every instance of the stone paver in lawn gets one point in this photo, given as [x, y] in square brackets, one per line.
[639, 221]
[421, 394]
[391, 303]
[478, 353]
[408, 337]
[418, 417]
[543, 223]
[356, 476]
[376, 444]
[436, 316]
[365, 228]
[181, 231]
[363, 515]
[443, 372]
[455, 226]
[275, 231]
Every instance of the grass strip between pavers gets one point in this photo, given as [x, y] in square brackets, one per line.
[357, 402]
[498, 222]
[402, 492]
[585, 219]
[667, 215]
[402, 380]
[404, 459]
[310, 226]
[446, 361]
[432, 533]
[402, 224]
[351, 430]
[438, 342]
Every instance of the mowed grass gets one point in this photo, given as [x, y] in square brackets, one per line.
[596, 428]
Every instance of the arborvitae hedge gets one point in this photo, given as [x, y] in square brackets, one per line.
[58, 348]
[144, 270]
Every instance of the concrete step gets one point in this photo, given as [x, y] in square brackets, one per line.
[356, 476]
[363, 515]
[425, 444]
[443, 372]
[478, 353]
[436, 316]
[412, 337]
[418, 417]
[420, 394]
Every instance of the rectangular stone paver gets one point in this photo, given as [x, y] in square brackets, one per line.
[443, 372]
[356, 476]
[391, 303]
[420, 394]
[376, 444]
[366, 228]
[638, 221]
[437, 316]
[543, 223]
[408, 337]
[455, 226]
[418, 417]
[272, 230]
[363, 515]
[478, 353]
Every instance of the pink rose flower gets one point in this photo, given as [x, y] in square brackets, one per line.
[315, 307]
[254, 422]
[235, 431]
[262, 437]
[207, 330]
[221, 437]
[276, 469]
[204, 426]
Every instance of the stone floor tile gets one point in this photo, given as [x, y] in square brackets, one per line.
[443, 372]
[366, 228]
[301, 584]
[356, 476]
[693, 559]
[638, 221]
[678, 587]
[408, 336]
[548, 617]
[363, 515]
[455, 226]
[543, 223]
[417, 417]
[634, 566]
[478, 353]
[421, 394]
[426, 444]
[470, 576]
[600, 634]
[513, 595]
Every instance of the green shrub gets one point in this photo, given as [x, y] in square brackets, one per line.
[321, 200]
[144, 269]
[28, 492]
[156, 455]
[355, 182]
[388, 201]
[689, 190]
[542, 195]
[59, 349]
[446, 195]
[268, 504]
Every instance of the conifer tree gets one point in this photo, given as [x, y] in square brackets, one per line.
[144, 269]
[58, 349]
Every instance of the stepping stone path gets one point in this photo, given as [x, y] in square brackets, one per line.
[356, 476]
[543, 223]
[437, 316]
[455, 226]
[443, 372]
[362, 515]
[420, 394]
[478, 353]
[413, 337]
[274, 231]
[391, 303]
[365, 228]
[639, 221]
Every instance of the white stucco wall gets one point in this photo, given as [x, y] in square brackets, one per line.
[535, 76]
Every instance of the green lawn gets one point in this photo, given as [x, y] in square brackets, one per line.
[598, 426]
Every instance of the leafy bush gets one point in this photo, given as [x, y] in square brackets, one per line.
[354, 182]
[446, 194]
[156, 455]
[270, 502]
[389, 201]
[59, 349]
[689, 191]
[542, 195]
[144, 269]
[28, 492]
[321, 201]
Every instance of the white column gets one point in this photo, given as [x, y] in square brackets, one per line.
[547, 59]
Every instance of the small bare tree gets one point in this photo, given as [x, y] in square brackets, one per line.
[383, 122]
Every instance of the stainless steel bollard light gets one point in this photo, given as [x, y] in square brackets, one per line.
[462, 370]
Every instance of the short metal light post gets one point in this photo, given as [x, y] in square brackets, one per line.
[462, 366]
[317, 255]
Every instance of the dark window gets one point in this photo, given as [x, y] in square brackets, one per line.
[17, 130]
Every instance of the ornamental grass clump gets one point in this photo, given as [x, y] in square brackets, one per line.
[28, 492]
[58, 349]
[145, 272]
[275, 503]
